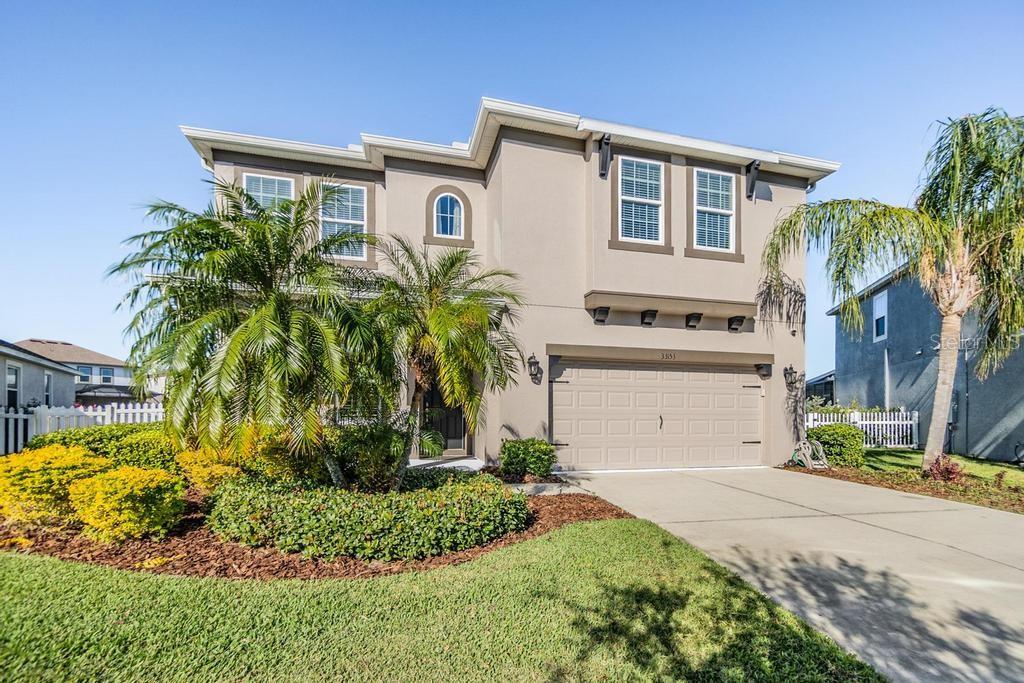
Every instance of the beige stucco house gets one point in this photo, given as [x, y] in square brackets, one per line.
[639, 254]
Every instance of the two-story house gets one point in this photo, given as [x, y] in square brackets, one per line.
[30, 379]
[893, 363]
[99, 380]
[639, 256]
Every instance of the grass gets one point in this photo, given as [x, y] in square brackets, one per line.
[614, 600]
[896, 459]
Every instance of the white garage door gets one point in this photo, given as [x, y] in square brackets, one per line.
[629, 416]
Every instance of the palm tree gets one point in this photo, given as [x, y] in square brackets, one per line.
[454, 323]
[963, 239]
[242, 310]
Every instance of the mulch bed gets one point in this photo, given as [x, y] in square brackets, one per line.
[193, 550]
[970, 490]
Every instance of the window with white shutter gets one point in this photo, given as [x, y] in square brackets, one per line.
[715, 210]
[268, 190]
[345, 212]
[641, 200]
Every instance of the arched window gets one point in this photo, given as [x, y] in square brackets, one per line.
[448, 217]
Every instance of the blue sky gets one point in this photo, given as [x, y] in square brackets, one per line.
[92, 95]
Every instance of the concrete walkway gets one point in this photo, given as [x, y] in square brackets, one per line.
[924, 589]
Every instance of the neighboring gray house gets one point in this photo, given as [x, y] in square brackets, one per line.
[894, 363]
[99, 379]
[32, 380]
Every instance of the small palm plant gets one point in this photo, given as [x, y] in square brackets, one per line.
[963, 239]
[243, 311]
[454, 324]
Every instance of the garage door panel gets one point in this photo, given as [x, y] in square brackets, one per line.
[613, 416]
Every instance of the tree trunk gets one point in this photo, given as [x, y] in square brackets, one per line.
[416, 415]
[949, 349]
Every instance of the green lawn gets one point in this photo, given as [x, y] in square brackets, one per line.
[615, 600]
[895, 459]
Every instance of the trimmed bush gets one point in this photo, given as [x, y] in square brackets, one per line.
[128, 502]
[843, 444]
[527, 456]
[34, 484]
[433, 477]
[206, 469]
[265, 454]
[147, 448]
[330, 522]
[99, 439]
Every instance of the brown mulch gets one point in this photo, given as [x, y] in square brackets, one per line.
[970, 489]
[193, 550]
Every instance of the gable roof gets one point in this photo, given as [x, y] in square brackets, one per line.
[15, 351]
[66, 352]
[491, 116]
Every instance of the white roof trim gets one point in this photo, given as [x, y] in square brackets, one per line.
[491, 115]
[30, 357]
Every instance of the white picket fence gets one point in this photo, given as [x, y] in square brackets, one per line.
[17, 427]
[881, 428]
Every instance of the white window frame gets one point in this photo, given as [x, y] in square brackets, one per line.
[660, 203]
[366, 212]
[78, 374]
[17, 386]
[291, 182]
[462, 221]
[103, 377]
[47, 388]
[880, 301]
[721, 212]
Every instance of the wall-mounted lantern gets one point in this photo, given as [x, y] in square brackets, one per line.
[600, 315]
[647, 318]
[533, 367]
[764, 370]
[693, 320]
[736, 322]
[789, 373]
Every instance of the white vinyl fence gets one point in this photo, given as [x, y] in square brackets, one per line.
[17, 427]
[881, 428]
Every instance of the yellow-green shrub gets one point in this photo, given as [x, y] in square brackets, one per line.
[128, 502]
[206, 469]
[34, 484]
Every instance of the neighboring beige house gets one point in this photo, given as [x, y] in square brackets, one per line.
[100, 379]
[639, 253]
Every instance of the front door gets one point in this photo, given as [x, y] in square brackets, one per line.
[450, 422]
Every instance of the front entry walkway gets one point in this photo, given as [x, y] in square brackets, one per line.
[923, 589]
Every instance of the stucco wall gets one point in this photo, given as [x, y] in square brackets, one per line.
[32, 378]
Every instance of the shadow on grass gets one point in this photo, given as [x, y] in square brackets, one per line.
[715, 627]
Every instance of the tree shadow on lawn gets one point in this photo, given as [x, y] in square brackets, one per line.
[716, 628]
[877, 615]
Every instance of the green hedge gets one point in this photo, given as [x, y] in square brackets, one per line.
[329, 522]
[843, 444]
[527, 456]
[99, 440]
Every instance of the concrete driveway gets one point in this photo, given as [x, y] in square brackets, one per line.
[921, 588]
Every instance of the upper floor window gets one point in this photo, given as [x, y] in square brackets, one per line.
[84, 373]
[716, 211]
[640, 200]
[107, 375]
[268, 190]
[448, 217]
[880, 315]
[345, 212]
